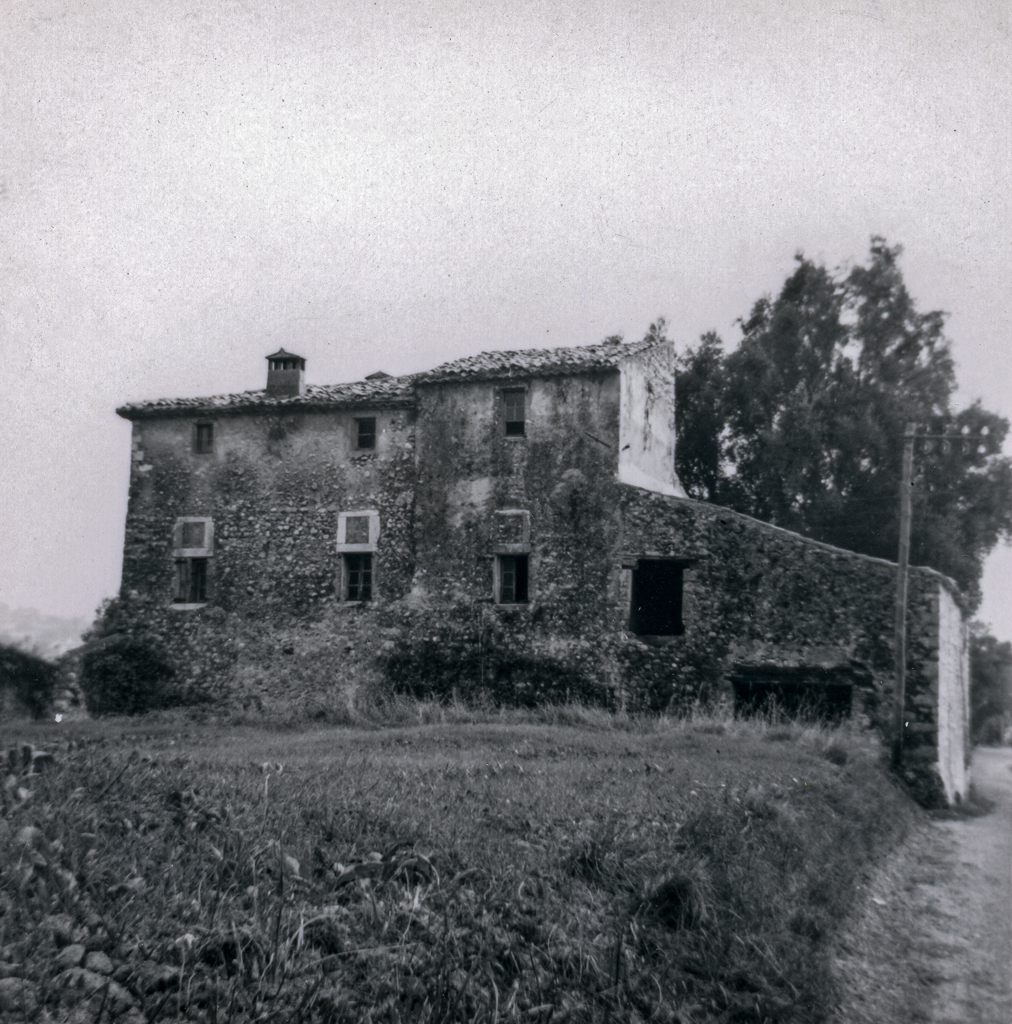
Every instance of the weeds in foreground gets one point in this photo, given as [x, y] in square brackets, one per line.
[679, 871]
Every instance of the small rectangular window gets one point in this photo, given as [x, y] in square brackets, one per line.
[511, 528]
[511, 532]
[191, 580]
[203, 439]
[193, 537]
[193, 534]
[512, 579]
[657, 598]
[365, 432]
[358, 576]
[356, 530]
[513, 402]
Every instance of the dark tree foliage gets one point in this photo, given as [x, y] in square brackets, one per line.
[990, 687]
[30, 679]
[128, 677]
[699, 418]
[802, 424]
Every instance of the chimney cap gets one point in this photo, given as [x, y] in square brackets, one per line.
[282, 354]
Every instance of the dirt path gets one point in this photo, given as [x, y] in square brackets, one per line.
[934, 941]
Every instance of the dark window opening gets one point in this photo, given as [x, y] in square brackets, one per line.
[657, 599]
[365, 433]
[191, 580]
[512, 579]
[358, 570]
[203, 443]
[193, 535]
[513, 402]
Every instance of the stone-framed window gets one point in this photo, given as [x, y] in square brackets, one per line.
[358, 531]
[513, 412]
[357, 537]
[192, 551]
[657, 591]
[203, 438]
[365, 433]
[511, 545]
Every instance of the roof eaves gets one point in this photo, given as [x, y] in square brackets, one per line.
[601, 358]
[318, 398]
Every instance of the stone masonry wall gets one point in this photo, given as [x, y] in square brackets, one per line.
[273, 487]
[758, 595]
[468, 469]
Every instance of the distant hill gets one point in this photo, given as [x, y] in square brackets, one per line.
[47, 636]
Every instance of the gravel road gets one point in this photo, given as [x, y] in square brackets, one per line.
[932, 939]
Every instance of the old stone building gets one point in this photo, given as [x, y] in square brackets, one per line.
[508, 524]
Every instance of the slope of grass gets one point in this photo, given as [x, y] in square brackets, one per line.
[567, 866]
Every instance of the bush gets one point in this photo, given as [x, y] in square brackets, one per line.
[456, 669]
[470, 661]
[29, 679]
[127, 678]
[990, 687]
[991, 732]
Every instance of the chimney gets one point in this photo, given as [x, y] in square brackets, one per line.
[286, 375]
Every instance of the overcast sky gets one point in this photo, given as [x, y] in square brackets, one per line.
[185, 185]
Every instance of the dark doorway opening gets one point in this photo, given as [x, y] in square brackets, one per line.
[820, 694]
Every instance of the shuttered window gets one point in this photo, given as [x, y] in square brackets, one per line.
[191, 580]
[514, 413]
[512, 579]
[365, 432]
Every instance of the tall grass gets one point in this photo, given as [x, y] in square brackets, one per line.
[464, 865]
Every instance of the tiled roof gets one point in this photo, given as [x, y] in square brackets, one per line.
[395, 391]
[605, 355]
[399, 391]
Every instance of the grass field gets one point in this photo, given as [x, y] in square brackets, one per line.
[563, 866]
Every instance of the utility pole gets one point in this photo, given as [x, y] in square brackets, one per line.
[902, 575]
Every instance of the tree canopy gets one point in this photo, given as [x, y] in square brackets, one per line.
[28, 679]
[801, 425]
[990, 687]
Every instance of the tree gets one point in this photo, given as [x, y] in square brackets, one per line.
[27, 681]
[801, 425]
[990, 686]
[699, 418]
